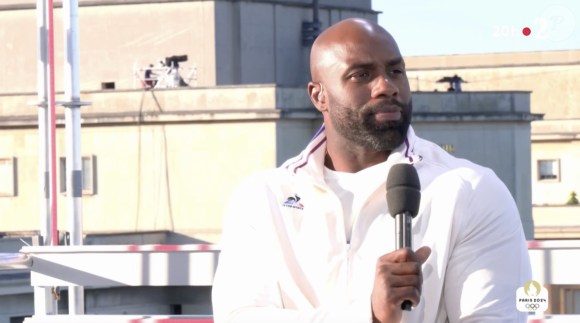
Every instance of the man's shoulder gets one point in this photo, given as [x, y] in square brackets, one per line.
[483, 193]
[440, 161]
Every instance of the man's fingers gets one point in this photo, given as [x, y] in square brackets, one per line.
[401, 294]
[406, 281]
[407, 255]
[406, 268]
[402, 255]
[423, 254]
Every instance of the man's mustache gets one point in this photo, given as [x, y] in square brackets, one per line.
[376, 108]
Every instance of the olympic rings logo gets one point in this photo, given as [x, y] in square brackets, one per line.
[532, 307]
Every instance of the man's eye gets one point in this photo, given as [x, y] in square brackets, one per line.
[361, 75]
[396, 71]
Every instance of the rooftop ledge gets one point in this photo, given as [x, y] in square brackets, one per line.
[556, 130]
[251, 102]
[247, 86]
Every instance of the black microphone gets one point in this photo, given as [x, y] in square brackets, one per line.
[403, 199]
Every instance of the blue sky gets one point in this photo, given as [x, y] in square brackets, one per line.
[445, 27]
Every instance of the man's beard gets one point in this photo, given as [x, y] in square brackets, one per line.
[360, 126]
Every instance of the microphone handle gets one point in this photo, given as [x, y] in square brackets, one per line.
[403, 240]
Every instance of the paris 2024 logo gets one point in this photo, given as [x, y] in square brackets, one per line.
[532, 297]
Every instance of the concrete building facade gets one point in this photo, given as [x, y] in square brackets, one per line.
[163, 160]
[555, 175]
[229, 42]
[551, 77]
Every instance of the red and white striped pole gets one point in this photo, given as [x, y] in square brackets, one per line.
[44, 300]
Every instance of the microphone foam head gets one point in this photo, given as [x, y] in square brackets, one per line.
[403, 190]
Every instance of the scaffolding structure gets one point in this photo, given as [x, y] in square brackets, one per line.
[167, 77]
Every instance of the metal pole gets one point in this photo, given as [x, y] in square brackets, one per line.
[45, 302]
[74, 185]
[315, 11]
[43, 145]
[52, 124]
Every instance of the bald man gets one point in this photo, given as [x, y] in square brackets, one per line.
[313, 240]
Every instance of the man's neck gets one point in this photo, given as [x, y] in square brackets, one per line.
[349, 158]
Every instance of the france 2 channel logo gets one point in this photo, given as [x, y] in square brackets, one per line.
[532, 297]
[555, 23]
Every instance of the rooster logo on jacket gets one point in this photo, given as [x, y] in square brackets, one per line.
[292, 202]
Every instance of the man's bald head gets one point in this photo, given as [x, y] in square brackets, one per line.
[360, 85]
[342, 36]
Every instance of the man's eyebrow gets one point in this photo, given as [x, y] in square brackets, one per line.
[361, 65]
[369, 65]
[394, 61]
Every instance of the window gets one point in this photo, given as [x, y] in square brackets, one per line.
[87, 172]
[571, 301]
[108, 86]
[548, 170]
[176, 309]
[7, 176]
[448, 148]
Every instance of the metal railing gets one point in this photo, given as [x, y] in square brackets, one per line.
[193, 265]
[119, 319]
[554, 319]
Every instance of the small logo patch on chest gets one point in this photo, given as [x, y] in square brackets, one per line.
[293, 202]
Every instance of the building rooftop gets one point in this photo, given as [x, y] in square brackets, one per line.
[255, 102]
[518, 59]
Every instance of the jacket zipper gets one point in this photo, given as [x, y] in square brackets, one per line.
[329, 191]
[347, 271]
[348, 243]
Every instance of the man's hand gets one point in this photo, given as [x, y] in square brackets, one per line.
[398, 278]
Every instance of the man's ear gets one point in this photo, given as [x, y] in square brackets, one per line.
[316, 94]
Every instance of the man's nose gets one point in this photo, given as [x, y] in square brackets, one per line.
[383, 87]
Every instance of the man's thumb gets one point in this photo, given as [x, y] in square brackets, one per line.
[423, 253]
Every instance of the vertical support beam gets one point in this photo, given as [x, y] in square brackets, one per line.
[315, 11]
[44, 301]
[43, 125]
[51, 105]
[74, 184]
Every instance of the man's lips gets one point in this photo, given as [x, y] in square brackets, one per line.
[389, 108]
[390, 113]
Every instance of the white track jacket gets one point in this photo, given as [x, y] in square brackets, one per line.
[284, 260]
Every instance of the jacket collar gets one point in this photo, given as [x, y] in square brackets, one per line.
[310, 162]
